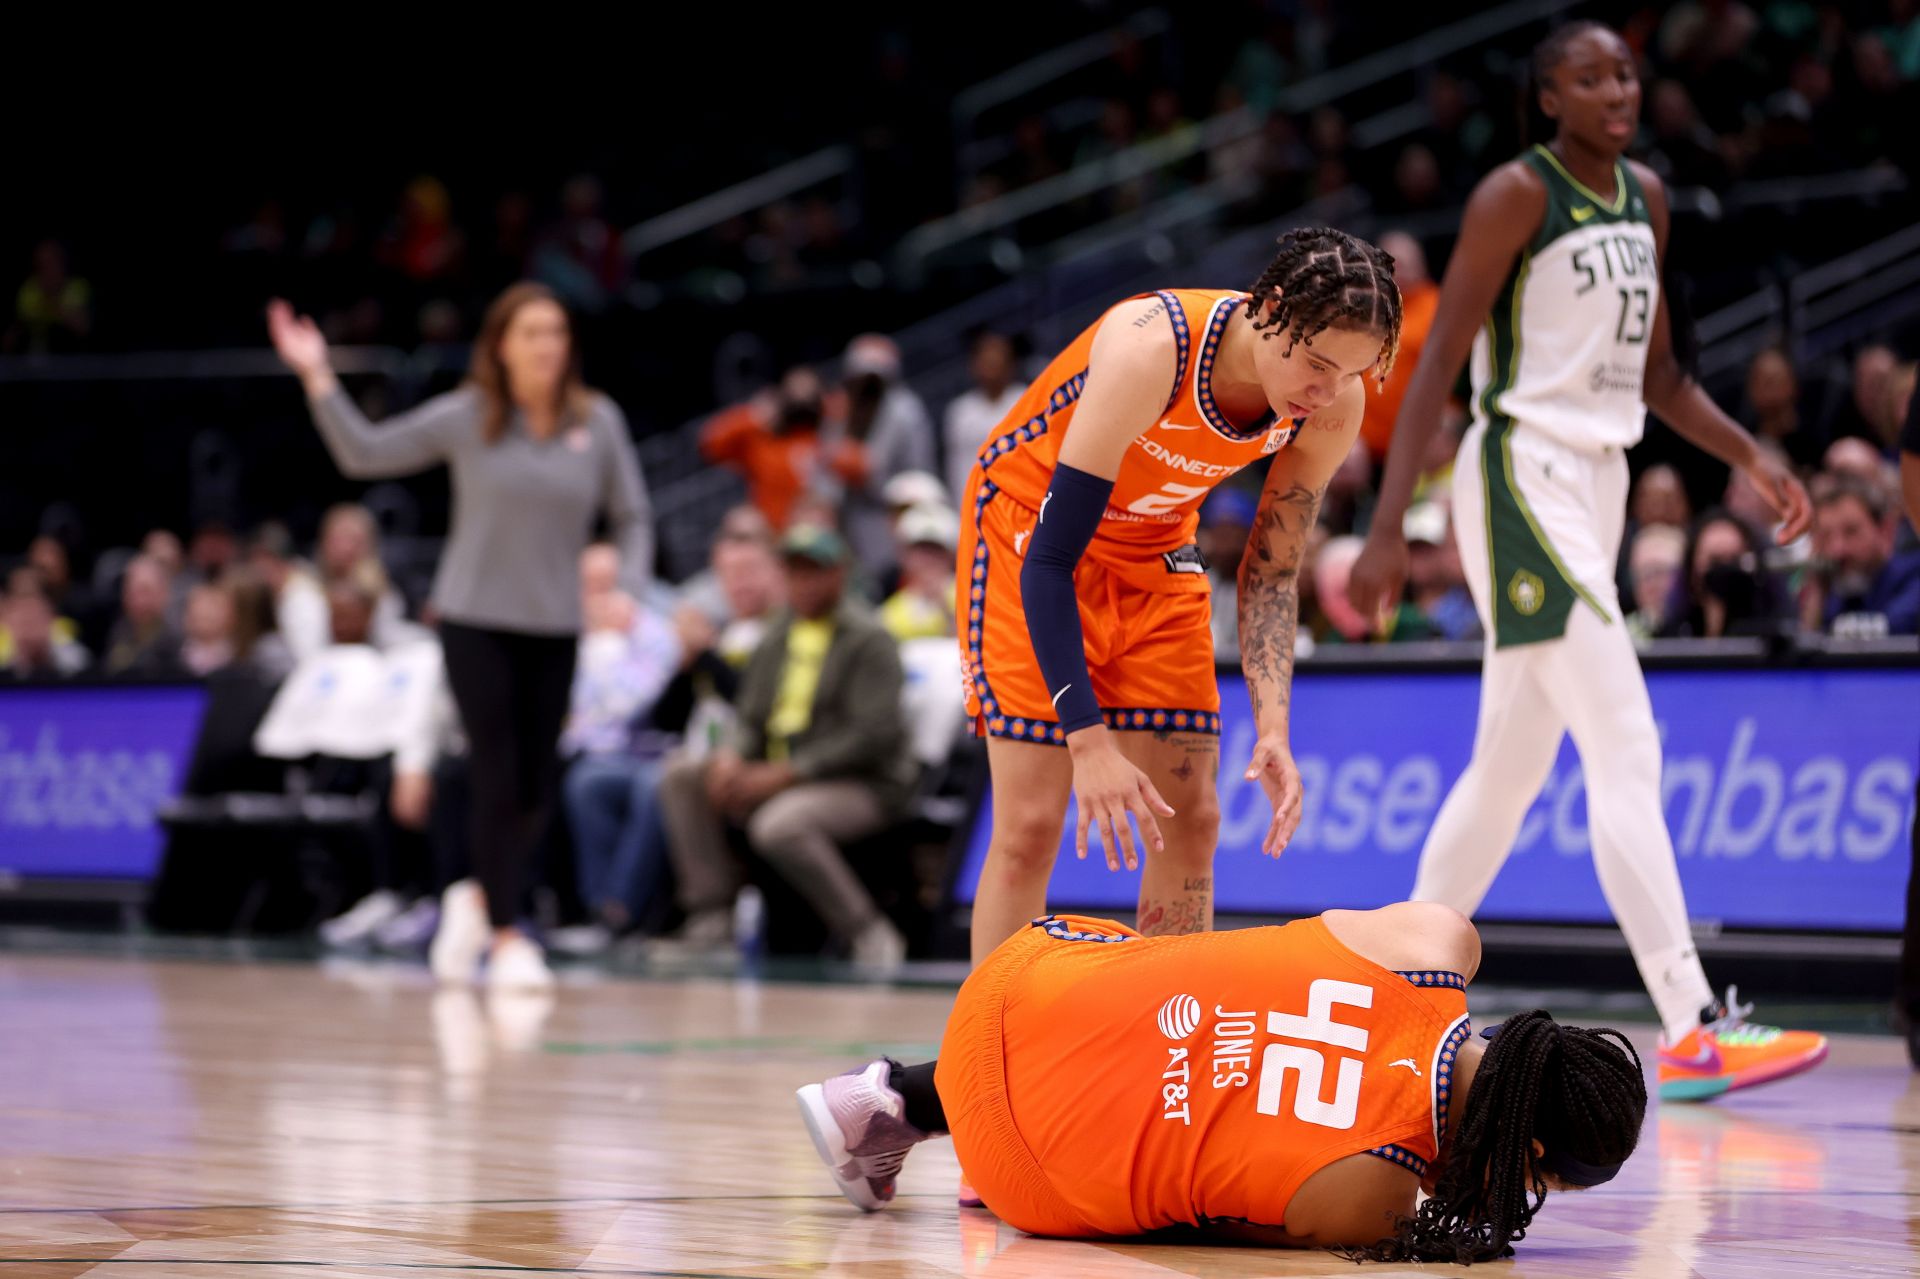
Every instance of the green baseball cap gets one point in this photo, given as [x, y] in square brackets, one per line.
[812, 542]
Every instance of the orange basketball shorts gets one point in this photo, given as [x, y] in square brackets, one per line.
[971, 1076]
[1149, 653]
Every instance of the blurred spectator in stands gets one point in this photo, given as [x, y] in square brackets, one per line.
[423, 243]
[886, 431]
[1863, 413]
[258, 645]
[1349, 496]
[207, 642]
[30, 644]
[1856, 459]
[1438, 604]
[1726, 589]
[300, 605]
[212, 551]
[753, 587]
[742, 523]
[1417, 185]
[350, 544]
[1858, 588]
[1035, 156]
[1708, 40]
[1419, 296]
[1331, 143]
[52, 310]
[1460, 134]
[1264, 65]
[774, 441]
[500, 257]
[628, 655]
[819, 760]
[1680, 147]
[143, 641]
[74, 605]
[1226, 519]
[971, 417]
[928, 538]
[1659, 497]
[1115, 132]
[578, 255]
[1653, 570]
[1773, 407]
[163, 547]
[1332, 566]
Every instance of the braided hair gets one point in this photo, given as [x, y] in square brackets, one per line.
[1576, 1090]
[1323, 278]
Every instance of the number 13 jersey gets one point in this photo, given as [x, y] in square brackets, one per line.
[1169, 469]
[1564, 349]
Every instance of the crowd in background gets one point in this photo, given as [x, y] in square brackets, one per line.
[755, 724]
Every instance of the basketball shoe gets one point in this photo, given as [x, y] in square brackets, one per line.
[858, 1124]
[1726, 1051]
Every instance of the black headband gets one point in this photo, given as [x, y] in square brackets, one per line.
[1572, 1171]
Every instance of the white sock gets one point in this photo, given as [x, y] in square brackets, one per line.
[1679, 988]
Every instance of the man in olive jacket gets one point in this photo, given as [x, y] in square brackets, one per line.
[819, 759]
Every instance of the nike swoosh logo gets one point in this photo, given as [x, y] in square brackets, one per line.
[1404, 1061]
[1175, 426]
[1582, 213]
[1062, 693]
[1707, 1059]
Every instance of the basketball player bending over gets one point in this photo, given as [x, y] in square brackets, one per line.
[1293, 1086]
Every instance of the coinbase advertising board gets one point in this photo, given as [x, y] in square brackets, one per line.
[1789, 795]
[83, 769]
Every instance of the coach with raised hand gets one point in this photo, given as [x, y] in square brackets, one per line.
[535, 456]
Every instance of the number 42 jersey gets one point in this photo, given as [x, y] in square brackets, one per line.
[1564, 349]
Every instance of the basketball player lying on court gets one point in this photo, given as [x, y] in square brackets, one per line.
[1291, 1086]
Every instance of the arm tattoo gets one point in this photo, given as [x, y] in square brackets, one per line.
[1270, 597]
[1151, 314]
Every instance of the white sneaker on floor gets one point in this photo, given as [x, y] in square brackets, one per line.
[879, 947]
[463, 934]
[518, 964]
[359, 924]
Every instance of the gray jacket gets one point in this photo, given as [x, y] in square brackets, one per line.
[523, 509]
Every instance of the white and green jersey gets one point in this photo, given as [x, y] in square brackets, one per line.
[1564, 350]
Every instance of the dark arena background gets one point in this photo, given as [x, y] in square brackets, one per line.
[381, 897]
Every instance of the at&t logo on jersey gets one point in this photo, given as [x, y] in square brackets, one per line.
[1179, 1017]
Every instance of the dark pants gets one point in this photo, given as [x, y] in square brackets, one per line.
[512, 690]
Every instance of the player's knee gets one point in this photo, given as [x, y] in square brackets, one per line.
[1195, 824]
[1027, 840]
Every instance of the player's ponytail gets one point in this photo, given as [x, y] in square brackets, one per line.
[1579, 1092]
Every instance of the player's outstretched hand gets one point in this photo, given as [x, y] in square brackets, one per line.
[1107, 787]
[1373, 585]
[1279, 776]
[1782, 491]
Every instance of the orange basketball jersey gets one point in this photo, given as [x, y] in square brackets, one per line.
[1170, 469]
[1161, 1081]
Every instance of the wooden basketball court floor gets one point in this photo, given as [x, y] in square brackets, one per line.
[188, 1118]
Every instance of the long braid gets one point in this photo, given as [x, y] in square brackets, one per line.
[1322, 277]
[1576, 1090]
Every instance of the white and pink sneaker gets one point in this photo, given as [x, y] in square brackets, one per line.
[858, 1124]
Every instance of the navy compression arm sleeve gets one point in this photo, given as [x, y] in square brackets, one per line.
[1068, 519]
